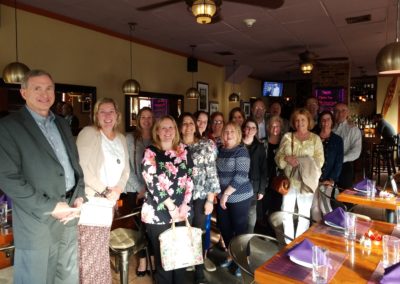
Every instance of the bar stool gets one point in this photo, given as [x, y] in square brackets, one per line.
[383, 159]
[125, 242]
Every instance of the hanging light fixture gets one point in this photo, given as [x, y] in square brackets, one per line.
[234, 97]
[388, 58]
[192, 93]
[15, 71]
[204, 10]
[131, 86]
[306, 67]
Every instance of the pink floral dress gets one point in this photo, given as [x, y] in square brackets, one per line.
[167, 174]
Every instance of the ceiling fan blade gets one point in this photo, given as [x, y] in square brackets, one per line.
[271, 4]
[333, 59]
[158, 5]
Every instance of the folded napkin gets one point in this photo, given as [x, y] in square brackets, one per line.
[362, 185]
[336, 217]
[302, 251]
[392, 274]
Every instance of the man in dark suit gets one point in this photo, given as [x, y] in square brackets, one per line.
[40, 171]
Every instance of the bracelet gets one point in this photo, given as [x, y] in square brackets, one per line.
[172, 209]
[210, 201]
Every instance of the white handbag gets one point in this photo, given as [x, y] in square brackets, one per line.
[181, 246]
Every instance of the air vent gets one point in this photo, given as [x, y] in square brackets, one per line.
[224, 53]
[358, 19]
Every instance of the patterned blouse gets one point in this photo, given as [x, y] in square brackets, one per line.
[167, 174]
[205, 177]
[311, 147]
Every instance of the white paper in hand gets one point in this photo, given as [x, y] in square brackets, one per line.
[98, 211]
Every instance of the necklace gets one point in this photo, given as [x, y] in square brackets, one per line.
[112, 147]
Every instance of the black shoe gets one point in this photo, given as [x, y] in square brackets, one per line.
[140, 273]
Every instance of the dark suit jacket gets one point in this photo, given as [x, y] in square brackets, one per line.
[32, 176]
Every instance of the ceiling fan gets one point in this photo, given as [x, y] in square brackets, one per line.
[215, 17]
[308, 58]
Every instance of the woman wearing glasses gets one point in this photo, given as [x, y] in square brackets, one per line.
[258, 168]
[217, 123]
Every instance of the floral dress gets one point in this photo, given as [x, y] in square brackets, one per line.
[168, 174]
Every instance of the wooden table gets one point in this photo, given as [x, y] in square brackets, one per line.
[350, 196]
[358, 266]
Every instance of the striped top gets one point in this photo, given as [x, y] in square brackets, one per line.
[233, 167]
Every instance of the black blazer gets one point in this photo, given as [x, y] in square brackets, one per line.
[32, 176]
[258, 166]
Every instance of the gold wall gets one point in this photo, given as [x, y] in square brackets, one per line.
[77, 55]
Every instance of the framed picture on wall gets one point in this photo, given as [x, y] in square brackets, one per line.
[213, 107]
[86, 106]
[202, 102]
[246, 108]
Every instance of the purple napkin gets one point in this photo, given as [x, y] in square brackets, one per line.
[362, 185]
[302, 251]
[336, 217]
[392, 274]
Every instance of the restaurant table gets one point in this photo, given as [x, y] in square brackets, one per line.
[351, 261]
[354, 197]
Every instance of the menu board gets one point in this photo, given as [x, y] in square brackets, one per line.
[329, 97]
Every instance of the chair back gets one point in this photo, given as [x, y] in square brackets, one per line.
[249, 251]
[276, 220]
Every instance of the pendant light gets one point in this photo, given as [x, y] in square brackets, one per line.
[14, 72]
[204, 10]
[234, 97]
[388, 58]
[192, 93]
[131, 86]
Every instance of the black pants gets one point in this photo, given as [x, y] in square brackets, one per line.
[199, 221]
[163, 277]
[346, 176]
[233, 220]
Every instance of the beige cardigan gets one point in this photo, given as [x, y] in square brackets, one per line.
[91, 159]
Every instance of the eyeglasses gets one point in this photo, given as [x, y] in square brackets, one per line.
[218, 122]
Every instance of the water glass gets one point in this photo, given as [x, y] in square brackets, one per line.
[3, 213]
[371, 189]
[391, 248]
[320, 260]
[350, 226]
[398, 216]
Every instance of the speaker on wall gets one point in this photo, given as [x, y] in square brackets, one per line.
[191, 64]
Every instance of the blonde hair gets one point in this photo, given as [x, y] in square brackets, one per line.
[273, 119]
[237, 129]
[138, 131]
[156, 138]
[306, 113]
[96, 112]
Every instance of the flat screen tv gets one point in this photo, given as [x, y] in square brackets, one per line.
[272, 89]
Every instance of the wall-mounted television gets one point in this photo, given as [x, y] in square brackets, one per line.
[272, 89]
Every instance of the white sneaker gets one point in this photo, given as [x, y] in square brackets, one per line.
[209, 265]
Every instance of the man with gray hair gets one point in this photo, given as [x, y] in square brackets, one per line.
[40, 171]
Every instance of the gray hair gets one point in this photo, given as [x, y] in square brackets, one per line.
[34, 73]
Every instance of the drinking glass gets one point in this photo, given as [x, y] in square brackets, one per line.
[350, 226]
[320, 260]
[3, 213]
[371, 188]
[390, 247]
[398, 216]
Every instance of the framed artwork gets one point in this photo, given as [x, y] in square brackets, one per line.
[202, 102]
[86, 106]
[213, 107]
[246, 108]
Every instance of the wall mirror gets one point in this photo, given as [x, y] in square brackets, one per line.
[81, 99]
[161, 104]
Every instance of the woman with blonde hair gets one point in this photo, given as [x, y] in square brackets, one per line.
[233, 165]
[167, 171]
[300, 152]
[104, 160]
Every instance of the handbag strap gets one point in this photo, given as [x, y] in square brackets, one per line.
[292, 142]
